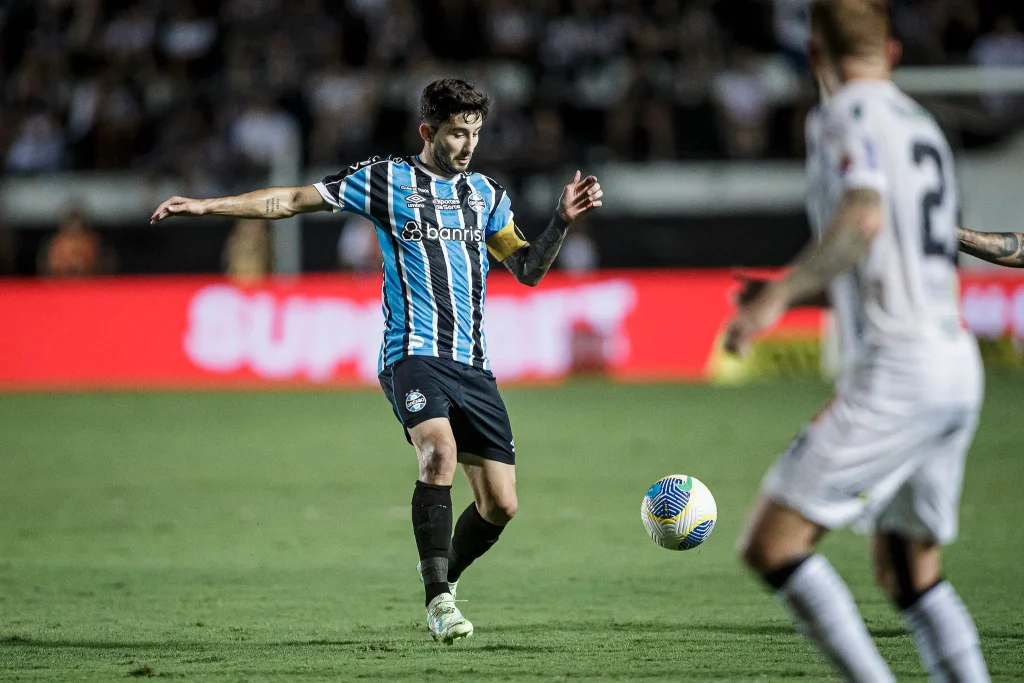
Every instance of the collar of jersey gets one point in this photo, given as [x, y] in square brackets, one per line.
[419, 164]
[858, 83]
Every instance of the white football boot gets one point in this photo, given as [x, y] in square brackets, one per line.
[445, 621]
[453, 586]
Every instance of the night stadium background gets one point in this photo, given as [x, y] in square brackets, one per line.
[198, 479]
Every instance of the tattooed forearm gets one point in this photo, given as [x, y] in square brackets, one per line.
[273, 204]
[1001, 248]
[532, 262]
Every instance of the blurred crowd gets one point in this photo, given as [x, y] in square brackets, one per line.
[210, 91]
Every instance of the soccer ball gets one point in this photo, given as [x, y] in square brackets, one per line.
[679, 512]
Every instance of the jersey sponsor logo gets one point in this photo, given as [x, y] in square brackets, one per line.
[415, 401]
[416, 341]
[414, 232]
[447, 204]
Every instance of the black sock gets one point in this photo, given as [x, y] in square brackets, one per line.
[473, 537]
[432, 526]
[777, 578]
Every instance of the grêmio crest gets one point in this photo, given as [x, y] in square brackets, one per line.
[414, 232]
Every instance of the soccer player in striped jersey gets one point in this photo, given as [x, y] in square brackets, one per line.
[436, 222]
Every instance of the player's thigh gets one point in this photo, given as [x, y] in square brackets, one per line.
[419, 390]
[494, 487]
[434, 434]
[776, 535]
[927, 505]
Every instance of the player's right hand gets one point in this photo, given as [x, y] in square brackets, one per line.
[752, 317]
[177, 206]
[751, 287]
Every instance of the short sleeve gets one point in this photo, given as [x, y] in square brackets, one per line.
[346, 191]
[501, 213]
[503, 236]
[855, 147]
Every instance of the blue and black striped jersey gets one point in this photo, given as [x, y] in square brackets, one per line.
[434, 233]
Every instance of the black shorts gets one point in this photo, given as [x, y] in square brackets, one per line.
[425, 387]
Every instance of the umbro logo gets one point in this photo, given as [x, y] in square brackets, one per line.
[416, 201]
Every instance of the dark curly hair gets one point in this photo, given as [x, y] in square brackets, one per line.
[447, 97]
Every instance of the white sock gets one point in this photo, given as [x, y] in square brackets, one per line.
[825, 612]
[946, 637]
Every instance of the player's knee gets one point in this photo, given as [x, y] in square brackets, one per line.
[438, 459]
[755, 554]
[507, 509]
[771, 561]
[499, 511]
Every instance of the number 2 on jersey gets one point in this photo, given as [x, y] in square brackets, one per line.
[932, 201]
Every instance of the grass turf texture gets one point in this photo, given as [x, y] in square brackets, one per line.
[266, 537]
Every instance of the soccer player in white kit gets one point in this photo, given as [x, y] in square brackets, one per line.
[888, 453]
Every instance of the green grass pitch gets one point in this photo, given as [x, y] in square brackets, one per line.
[266, 537]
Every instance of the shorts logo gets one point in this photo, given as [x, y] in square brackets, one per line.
[415, 401]
[476, 202]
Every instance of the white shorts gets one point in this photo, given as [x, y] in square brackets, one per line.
[879, 470]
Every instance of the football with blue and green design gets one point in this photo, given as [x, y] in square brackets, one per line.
[679, 512]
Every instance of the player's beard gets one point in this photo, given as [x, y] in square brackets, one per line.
[444, 157]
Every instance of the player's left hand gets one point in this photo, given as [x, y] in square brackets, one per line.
[177, 206]
[753, 317]
[579, 197]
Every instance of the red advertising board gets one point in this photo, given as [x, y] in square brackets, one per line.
[326, 330]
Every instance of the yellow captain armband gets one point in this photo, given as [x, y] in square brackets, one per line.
[506, 242]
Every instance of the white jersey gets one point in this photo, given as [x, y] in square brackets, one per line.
[898, 308]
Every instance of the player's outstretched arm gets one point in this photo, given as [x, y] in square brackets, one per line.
[752, 287]
[855, 225]
[530, 263]
[273, 202]
[1001, 248]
